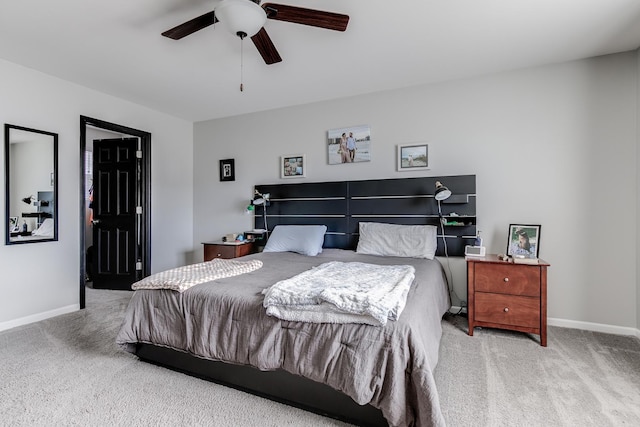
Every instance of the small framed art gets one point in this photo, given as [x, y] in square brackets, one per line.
[293, 166]
[413, 157]
[524, 240]
[227, 170]
[13, 224]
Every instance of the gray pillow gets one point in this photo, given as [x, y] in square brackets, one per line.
[303, 239]
[411, 241]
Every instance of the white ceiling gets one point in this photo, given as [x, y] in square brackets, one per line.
[115, 46]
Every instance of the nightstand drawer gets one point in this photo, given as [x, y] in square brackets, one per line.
[227, 251]
[219, 251]
[507, 309]
[507, 279]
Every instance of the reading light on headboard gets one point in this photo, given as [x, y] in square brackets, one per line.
[260, 199]
[442, 192]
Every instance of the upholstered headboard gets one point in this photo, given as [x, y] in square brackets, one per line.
[341, 205]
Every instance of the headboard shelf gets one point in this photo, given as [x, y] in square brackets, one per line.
[342, 205]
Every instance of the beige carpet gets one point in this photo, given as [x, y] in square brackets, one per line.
[504, 378]
[68, 371]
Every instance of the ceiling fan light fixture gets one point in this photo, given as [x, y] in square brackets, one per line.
[241, 17]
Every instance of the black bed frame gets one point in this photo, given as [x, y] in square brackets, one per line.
[340, 206]
[280, 386]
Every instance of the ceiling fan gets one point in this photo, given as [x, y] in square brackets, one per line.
[247, 18]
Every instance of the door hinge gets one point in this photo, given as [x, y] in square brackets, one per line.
[139, 210]
[138, 266]
[139, 154]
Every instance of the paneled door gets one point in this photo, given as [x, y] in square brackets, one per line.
[117, 262]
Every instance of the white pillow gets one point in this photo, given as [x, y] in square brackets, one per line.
[412, 241]
[303, 239]
[45, 229]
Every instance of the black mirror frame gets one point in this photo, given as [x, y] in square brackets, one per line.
[7, 145]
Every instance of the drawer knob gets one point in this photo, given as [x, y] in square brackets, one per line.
[506, 309]
[506, 279]
[219, 255]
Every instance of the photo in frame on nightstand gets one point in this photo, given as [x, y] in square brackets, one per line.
[523, 244]
[524, 240]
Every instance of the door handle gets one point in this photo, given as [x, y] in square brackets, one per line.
[95, 221]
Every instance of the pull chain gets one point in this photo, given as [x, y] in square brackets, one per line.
[242, 61]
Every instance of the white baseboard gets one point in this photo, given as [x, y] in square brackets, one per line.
[595, 327]
[39, 316]
[574, 324]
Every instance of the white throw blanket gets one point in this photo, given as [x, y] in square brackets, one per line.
[342, 292]
[182, 278]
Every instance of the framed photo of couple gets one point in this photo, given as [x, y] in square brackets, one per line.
[524, 239]
[349, 145]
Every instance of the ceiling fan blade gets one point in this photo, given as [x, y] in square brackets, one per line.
[190, 27]
[300, 15]
[266, 47]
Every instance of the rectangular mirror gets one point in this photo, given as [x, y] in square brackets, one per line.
[31, 178]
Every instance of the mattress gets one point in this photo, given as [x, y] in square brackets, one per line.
[389, 367]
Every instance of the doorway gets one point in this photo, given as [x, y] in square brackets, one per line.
[115, 194]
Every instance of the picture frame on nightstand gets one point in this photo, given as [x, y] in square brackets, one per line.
[524, 240]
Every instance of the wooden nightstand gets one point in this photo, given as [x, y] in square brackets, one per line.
[505, 295]
[226, 250]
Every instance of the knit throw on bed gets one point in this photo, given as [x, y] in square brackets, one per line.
[342, 292]
[182, 278]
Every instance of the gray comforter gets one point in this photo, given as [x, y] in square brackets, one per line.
[389, 367]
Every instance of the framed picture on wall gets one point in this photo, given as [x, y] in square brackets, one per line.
[293, 166]
[524, 240]
[227, 170]
[349, 145]
[413, 157]
[13, 224]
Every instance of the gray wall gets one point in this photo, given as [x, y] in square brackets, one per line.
[42, 279]
[569, 128]
[545, 143]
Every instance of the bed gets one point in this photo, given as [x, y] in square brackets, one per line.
[363, 374]
[224, 321]
[46, 230]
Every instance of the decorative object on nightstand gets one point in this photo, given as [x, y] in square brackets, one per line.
[227, 250]
[477, 249]
[474, 251]
[258, 237]
[506, 295]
